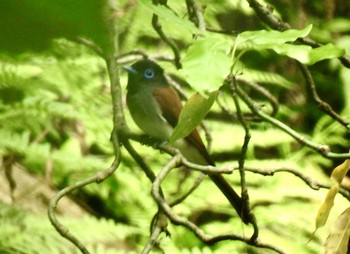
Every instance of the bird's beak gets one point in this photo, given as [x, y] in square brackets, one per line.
[130, 69]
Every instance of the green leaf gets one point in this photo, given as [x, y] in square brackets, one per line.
[192, 115]
[338, 25]
[337, 241]
[326, 207]
[278, 42]
[206, 64]
[298, 52]
[268, 38]
[267, 78]
[168, 15]
[325, 52]
[306, 54]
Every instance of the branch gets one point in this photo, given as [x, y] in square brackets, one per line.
[89, 44]
[61, 229]
[312, 183]
[160, 226]
[265, 14]
[158, 28]
[322, 105]
[119, 127]
[260, 89]
[320, 148]
[195, 185]
[157, 225]
[178, 220]
[195, 13]
[245, 195]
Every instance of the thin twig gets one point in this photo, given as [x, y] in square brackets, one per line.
[139, 160]
[320, 148]
[160, 226]
[266, 93]
[206, 169]
[266, 15]
[89, 44]
[7, 164]
[322, 105]
[247, 136]
[119, 128]
[195, 13]
[61, 229]
[219, 31]
[178, 220]
[158, 28]
[151, 176]
[195, 185]
[311, 182]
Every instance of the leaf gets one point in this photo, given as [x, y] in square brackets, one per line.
[298, 52]
[338, 25]
[278, 42]
[340, 171]
[326, 207]
[269, 38]
[337, 241]
[206, 64]
[325, 52]
[192, 115]
[267, 77]
[305, 54]
[168, 15]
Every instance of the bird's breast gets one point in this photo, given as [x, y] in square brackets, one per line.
[147, 115]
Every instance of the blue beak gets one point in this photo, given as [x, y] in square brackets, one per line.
[130, 69]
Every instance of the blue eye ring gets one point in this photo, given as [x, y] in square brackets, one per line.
[148, 73]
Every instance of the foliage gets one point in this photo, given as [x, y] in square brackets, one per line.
[56, 120]
[23, 232]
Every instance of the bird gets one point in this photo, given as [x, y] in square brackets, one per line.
[155, 107]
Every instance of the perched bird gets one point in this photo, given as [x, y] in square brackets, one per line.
[155, 107]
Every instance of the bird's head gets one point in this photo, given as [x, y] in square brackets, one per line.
[145, 73]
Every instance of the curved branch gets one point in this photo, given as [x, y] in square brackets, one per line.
[158, 28]
[241, 161]
[320, 148]
[265, 14]
[119, 127]
[178, 220]
[322, 105]
[160, 226]
[264, 92]
[195, 13]
[312, 183]
[61, 229]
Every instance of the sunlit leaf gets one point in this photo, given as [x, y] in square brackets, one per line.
[326, 207]
[337, 241]
[298, 52]
[280, 43]
[168, 15]
[338, 25]
[340, 171]
[305, 54]
[192, 115]
[264, 37]
[206, 64]
[325, 52]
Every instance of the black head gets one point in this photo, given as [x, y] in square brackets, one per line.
[145, 73]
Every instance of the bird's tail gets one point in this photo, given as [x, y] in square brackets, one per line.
[234, 199]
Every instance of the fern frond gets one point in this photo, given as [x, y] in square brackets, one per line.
[267, 78]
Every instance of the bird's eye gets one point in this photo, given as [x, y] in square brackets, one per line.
[149, 73]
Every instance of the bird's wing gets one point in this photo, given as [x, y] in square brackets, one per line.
[171, 106]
